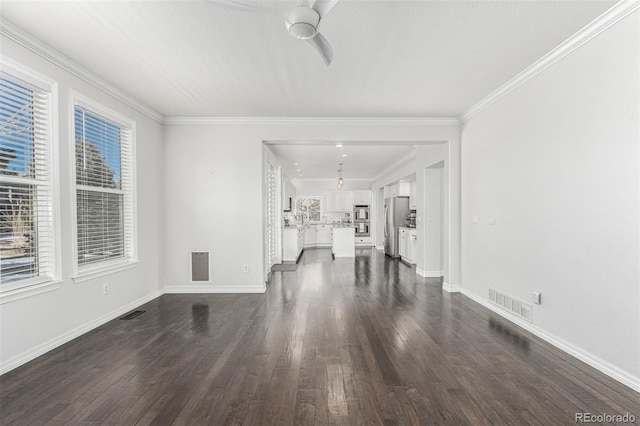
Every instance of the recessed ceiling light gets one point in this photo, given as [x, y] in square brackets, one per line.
[344, 155]
[298, 170]
[295, 164]
[339, 145]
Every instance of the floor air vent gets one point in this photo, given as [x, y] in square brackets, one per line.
[516, 307]
[199, 266]
[132, 315]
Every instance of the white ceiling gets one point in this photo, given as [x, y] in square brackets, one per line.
[320, 160]
[391, 58]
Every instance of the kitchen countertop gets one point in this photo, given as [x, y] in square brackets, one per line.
[332, 225]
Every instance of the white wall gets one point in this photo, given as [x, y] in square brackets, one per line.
[214, 165]
[556, 162]
[33, 325]
[290, 189]
[431, 218]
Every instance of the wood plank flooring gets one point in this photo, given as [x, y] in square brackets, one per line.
[361, 341]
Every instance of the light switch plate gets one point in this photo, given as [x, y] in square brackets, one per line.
[536, 297]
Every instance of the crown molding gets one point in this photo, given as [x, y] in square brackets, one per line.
[603, 22]
[332, 179]
[315, 121]
[12, 32]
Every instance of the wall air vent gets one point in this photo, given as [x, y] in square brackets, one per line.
[514, 306]
[199, 266]
[132, 315]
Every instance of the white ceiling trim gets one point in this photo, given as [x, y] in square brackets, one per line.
[316, 121]
[603, 22]
[46, 52]
[332, 179]
[350, 142]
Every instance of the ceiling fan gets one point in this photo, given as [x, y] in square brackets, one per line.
[301, 20]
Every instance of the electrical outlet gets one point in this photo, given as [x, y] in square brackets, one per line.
[105, 288]
[475, 219]
[245, 268]
[492, 221]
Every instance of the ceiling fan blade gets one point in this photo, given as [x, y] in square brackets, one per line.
[250, 7]
[323, 6]
[323, 47]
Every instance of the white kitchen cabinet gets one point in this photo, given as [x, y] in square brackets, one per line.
[363, 241]
[401, 189]
[403, 244]
[337, 200]
[300, 247]
[343, 242]
[413, 246]
[347, 201]
[408, 245]
[343, 201]
[362, 197]
[324, 235]
[292, 244]
[412, 195]
[327, 201]
[311, 236]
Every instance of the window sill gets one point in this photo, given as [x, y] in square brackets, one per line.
[34, 289]
[89, 274]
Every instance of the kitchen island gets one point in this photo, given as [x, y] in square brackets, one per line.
[340, 238]
[292, 243]
[344, 241]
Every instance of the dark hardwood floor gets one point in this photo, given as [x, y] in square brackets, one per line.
[350, 342]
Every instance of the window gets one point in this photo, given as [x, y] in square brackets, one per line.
[104, 189]
[27, 248]
[308, 209]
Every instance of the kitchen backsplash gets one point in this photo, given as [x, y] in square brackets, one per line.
[328, 217]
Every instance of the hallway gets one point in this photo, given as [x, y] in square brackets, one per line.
[364, 341]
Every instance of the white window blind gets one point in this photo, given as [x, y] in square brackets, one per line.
[26, 218]
[270, 183]
[103, 189]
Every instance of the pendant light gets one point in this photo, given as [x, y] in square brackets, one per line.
[340, 180]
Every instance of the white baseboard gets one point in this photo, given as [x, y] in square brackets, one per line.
[42, 349]
[593, 361]
[428, 274]
[379, 247]
[180, 289]
[451, 288]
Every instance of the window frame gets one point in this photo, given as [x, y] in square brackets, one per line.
[81, 273]
[32, 286]
[310, 197]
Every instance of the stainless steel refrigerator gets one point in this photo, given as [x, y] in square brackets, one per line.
[396, 210]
